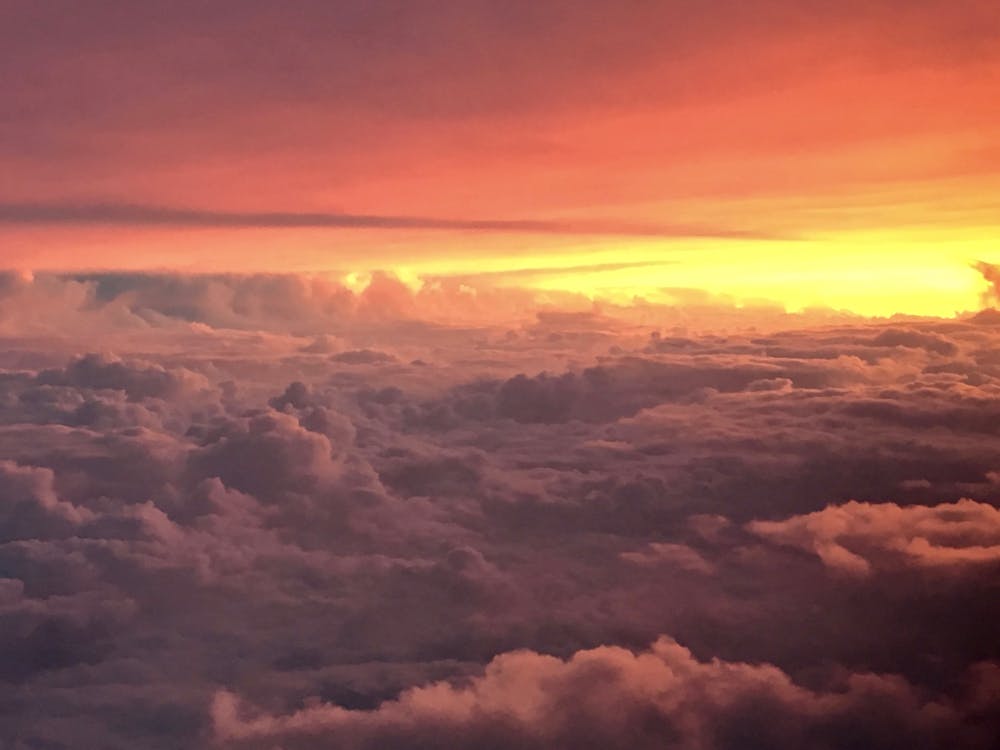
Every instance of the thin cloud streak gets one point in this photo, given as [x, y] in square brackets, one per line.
[528, 274]
[135, 215]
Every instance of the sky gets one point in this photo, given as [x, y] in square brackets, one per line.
[499, 375]
[808, 153]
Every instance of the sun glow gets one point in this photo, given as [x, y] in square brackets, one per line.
[865, 273]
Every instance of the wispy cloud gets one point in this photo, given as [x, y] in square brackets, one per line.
[530, 273]
[128, 214]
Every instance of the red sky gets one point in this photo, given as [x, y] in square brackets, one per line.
[807, 152]
[507, 374]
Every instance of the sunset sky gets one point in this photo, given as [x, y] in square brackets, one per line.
[804, 152]
[499, 374]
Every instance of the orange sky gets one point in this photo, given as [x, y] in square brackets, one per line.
[842, 154]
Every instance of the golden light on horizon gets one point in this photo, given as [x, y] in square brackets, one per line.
[866, 273]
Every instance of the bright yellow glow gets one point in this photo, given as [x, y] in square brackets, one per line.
[919, 270]
[355, 281]
[870, 273]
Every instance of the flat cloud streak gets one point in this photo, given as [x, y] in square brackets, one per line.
[533, 273]
[123, 214]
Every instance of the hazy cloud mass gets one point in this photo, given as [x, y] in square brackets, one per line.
[273, 512]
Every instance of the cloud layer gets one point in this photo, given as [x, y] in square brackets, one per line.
[260, 512]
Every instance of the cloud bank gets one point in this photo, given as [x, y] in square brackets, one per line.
[277, 512]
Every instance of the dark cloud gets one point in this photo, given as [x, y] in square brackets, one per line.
[363, 357]
[162, 216]
[96, 372]
[915, 340]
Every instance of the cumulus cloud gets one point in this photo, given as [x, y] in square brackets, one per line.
[851, 537]
[31, 507]
[991, 275]
[612, 698]
[138, 382]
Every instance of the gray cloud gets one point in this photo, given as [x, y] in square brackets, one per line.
[123, 214]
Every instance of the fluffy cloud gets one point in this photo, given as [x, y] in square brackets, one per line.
[31, 507]
[612, 698]
[851, 537]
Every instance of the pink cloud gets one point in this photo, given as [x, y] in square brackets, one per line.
[610, 697]
[858, 537]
